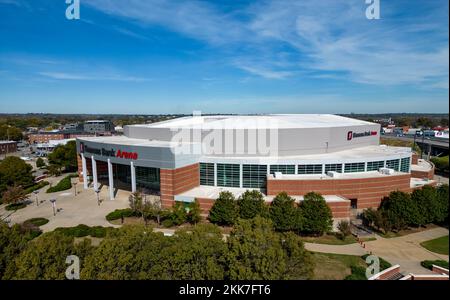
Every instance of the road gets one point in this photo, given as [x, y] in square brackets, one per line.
[434, 141]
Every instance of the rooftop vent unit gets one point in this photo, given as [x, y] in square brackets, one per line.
[278, 175]
[386, 171]
[333, 174]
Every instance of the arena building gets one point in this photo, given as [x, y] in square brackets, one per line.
[198, 157]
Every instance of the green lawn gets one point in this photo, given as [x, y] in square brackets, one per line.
[335, 266]
[439, 245]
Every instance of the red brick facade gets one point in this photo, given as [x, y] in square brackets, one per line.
[177, 181]
[424, 174]
[368, 192]
[8, 147]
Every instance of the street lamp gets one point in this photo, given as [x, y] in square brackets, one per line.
[53, 201]
[97, 191]
[75, 187]
[36, 192]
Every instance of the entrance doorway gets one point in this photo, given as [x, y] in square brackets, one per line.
[354, 203]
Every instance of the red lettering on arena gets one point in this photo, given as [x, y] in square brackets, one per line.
[127, 155]
[373, 132]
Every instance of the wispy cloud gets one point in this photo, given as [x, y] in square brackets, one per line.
[320, 36]
[102, 77]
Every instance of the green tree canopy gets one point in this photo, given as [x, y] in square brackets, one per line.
[15, 172]
[284, 214]
[10, 132]
[252, 204]
[442, 199]
[225, 209]
[317, 216]
[64, 156]
[194, 212]
[401, 211]
[427, 203]
[257, 252]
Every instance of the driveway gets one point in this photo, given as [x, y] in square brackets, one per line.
[73, 210]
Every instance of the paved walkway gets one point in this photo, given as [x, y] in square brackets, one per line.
[350, 249]
[73, 210]
[406, 250]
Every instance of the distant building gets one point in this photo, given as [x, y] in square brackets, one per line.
[8, 147]
[98, 126]
[44, 137]
[73, 127]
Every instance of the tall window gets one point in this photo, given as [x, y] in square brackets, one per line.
[147, 178]
[284, 169]
[354, 167]
[405, 165]
[254, 176]
[206, 173]
[393, 164]
[309, 169]
[375, 165]
[228, 175]
[333, 167]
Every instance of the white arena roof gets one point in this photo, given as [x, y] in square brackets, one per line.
[258, 121]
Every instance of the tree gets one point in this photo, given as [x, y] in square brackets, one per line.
[442, 199]
[136, 203]
[284, 214]
[45, 257]
[225, 209]
[252, 204]
[64, 157]
[13, 241]
[257, 252]
[178, 214]
[427, 204]
[8, 132]
[344, 228]
[14, 194]
[194, 212]
[40, 163]
[196, 254]
[317, 215]
[131, 252]
[401, 211]
[15, 171]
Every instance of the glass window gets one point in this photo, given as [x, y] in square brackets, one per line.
[374, 165]
[284, 169]
[254, 176]
[393, 164]
[405, 165]
[333, 167]
[309, 169]
[207, 174]
[147, 178]
[354, 167]
[228, 175]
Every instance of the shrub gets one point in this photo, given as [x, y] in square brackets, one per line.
[225, 209]
[344, 229]
[252, 204]
[37, 221]
[428, 264]
[63, 185]
[84, 230]
[119, 213]
[15, 206]
[193, 215]
[358, 273]
[178, 214]
[40, 163]
[37, 186]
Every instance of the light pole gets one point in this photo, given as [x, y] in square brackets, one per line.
[36, 192]
[53, 201]
[97, 191]
[75, 187]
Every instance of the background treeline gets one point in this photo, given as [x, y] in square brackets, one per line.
[252, 251]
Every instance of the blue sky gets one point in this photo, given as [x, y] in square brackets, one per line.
[173, 56]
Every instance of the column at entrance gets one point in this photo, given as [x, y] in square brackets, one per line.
[94, 173]
[133, 178]
[111, 180]
[83, 163]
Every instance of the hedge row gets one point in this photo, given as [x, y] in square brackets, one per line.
[63, 184]
[119, 213]
[428, 264]
[84, 230]
[37, 221]
[37, 186]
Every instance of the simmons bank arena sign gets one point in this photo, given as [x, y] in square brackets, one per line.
[351, 135]
[108, 152]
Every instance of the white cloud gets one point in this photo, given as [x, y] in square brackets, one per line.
[75, 76]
